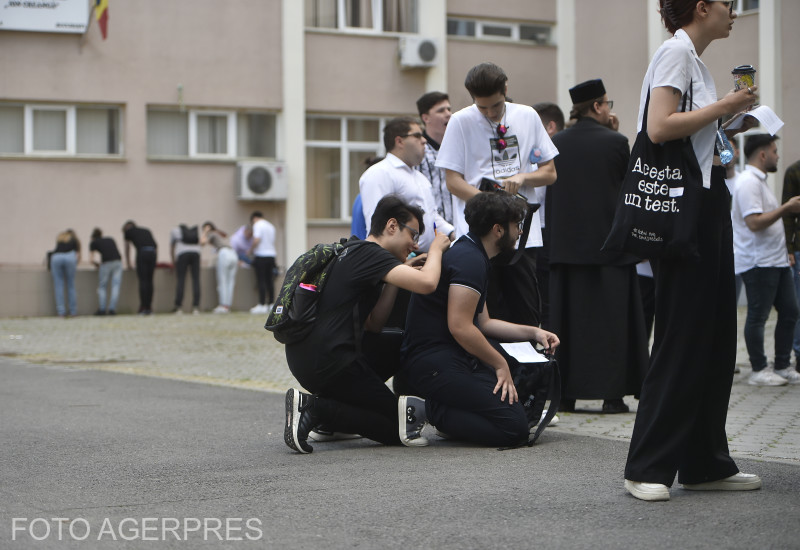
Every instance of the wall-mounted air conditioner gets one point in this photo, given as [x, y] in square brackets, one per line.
[261, 181]
[416, 52]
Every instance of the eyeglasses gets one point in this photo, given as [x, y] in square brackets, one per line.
[417, 135]
[414, 232]
[610, 103]
[728, 4]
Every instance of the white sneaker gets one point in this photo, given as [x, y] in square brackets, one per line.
[258, 309]
[790, 374]
[412, 419]
[195, 311]
[647, 491]
[766, 377]
[220, 309]
[736, 482]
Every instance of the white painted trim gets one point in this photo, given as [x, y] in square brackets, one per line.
[565, 51]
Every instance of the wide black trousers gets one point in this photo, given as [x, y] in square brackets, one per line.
[680, 423]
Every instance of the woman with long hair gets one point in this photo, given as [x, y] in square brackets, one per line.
[227, 262]
[63, 264]
[680, 423]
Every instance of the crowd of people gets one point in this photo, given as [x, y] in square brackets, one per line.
[251, 245]
[493, 219]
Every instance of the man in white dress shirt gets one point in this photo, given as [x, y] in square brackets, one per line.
[395, 175]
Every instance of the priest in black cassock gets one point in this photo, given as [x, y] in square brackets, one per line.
[595, 305]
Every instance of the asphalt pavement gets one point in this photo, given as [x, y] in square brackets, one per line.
[166, 432]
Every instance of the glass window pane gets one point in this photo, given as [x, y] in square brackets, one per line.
[167, 133]
[358, 13]
[497, 30]
[538, 33]
[49, 130]
[749, 5]
[212, 134]
[323, 172]
[323, 129]
[12, 129]
[459, 27]
[256, 135]
[321, 14]
[363, 130]
[400, 15]
[97, 131]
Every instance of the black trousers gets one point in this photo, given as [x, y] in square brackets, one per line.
[459, 399]
[513, 293]
[145, 269]
[680, 423]
[355, 400]
[191, 261]
[265, 275]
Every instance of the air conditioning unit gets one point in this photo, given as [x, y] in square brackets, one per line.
[416, 52]
[261, 181]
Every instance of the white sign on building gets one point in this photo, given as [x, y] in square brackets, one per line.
[71, 16]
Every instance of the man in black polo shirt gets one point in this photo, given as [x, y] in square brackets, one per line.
[109, 270]
[467, 383]
[146, 254]
[349, 395]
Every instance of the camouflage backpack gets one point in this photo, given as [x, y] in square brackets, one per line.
[295, 310]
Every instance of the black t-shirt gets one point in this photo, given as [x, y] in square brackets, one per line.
[355, 278]
[66, 246]
[463, 264]
[107, 249]
[140, 237]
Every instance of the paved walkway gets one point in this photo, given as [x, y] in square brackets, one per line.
[234, 350]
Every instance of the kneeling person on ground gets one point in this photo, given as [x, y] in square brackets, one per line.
[467, 383]
[348, 394]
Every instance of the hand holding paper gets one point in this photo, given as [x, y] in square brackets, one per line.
[763, 114]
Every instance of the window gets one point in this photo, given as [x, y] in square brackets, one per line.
[336, 151]
[506, 30]
[209, 134]
[368, 15]
[747, 5]
[60, 130]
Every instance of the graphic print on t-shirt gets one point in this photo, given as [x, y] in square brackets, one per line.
[506, 161]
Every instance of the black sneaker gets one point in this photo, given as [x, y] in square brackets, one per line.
[299, 421]
[412, 419]
[615, 406]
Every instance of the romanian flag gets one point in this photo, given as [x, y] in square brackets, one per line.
[101, 12]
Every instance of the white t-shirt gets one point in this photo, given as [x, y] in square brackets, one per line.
[265, 231]
[764, 248]
[469, 148]
[676, 65]
[392, 176]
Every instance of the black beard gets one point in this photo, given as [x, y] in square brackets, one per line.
[506, 243]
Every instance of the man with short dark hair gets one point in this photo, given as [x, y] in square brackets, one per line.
[395, 175]
[499, 140]
[262, 249]
[434, 111]
[109, 271]
[184, 243]
[762, 259]
[468, 385]
[146, 255]
[591, 288]
[348, 394]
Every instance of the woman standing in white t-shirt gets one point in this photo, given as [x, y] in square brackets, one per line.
[680, 422]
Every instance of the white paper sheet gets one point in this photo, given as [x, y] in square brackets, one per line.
[766, 116]
[524, 352]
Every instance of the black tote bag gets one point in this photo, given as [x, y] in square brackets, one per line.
[659, 202]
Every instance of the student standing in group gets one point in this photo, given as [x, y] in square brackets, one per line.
[63, 264]
[263, 252]
[680, 422]
[146, 254]
[109, 271]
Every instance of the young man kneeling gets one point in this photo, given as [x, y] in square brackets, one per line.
[467, 383]
[348, 394]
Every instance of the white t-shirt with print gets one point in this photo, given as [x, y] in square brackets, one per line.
[469, 147]
[265, 231]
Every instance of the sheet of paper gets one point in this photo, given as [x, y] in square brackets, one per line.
[523, 352]
[766, 116]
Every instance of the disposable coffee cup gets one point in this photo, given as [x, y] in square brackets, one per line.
[744, 76]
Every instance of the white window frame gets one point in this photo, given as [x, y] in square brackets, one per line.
[70, 140]
[739, 8]
[230, 129]
[377, 20]
[514, 26]
[345, 148]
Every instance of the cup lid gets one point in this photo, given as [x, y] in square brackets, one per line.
[743, 69]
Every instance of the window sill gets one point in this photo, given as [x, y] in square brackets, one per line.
[327, 222]
[63, 158]
[206, 160]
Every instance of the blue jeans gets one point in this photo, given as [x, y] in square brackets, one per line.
[109, 271]
[63, 266]
[767, 287]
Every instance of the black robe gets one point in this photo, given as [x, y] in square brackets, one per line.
[595, 303]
